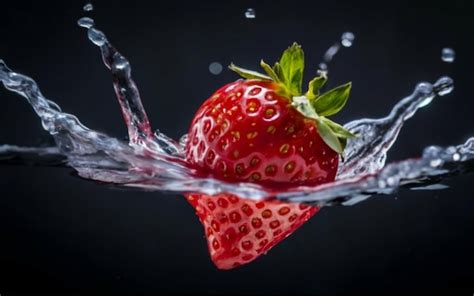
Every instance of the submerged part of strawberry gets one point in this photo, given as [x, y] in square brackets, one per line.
[238, 231]
[248, 132]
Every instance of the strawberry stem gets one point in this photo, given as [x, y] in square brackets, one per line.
[288, 74]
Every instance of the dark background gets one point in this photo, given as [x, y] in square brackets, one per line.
[63, 235]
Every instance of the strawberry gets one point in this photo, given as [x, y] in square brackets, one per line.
[264, 130]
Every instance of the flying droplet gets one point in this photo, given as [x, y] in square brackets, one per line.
[448, 55]
[96, 36]
[331, 52]
[456, 157]
[436, 162]
[215, 68]
[323, 68]
[88, 7]
[250, 13]
[347, 39]
[444, 86]
[86, 22]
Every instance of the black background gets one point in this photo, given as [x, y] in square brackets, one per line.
[63, 235]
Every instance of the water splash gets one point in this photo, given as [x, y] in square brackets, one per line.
[435, 164]
[448, 55]
[153, 161]
[37, 156]
[347, 39]
[367, 153]
[250, 13]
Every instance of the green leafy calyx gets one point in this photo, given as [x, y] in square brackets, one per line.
[288, 74]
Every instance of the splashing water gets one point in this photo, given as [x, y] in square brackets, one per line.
[153, 161]
[347, 39]
[448, 55]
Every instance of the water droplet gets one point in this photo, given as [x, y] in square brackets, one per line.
[183, 140]
[448, 55]
[331, 52]
[215, 68]
[86, 22]
[96, 36]
[456, 156]
[432, 151]
[323, 67]
[120, 63]
[250, 13]
[88, 7]
[444, 86]
[424, 88]
[347, 39]
[436, 162]
[392, 181]
[445, 91]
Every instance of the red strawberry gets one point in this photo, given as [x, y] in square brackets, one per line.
[247, 132]
[239, 230]
[264, 130]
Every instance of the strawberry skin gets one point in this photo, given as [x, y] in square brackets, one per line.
[263, 130]
[238, 230]
[247, 132]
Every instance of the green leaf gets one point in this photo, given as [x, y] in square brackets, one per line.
[249, 74]
[269, 71]
[343, 144]
[303, 106]
[329, 137]
[279, 72]
[296, 80]
[338, 129]
[292, 66]
[333, 134]
[315, 85]
[332, 101]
